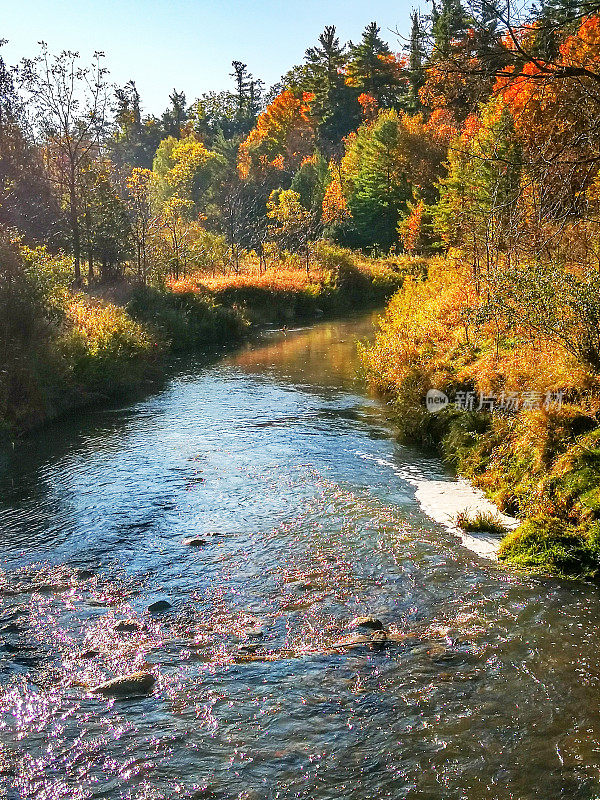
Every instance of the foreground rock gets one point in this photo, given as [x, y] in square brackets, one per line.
[127, 626]
[357, 641]
[366, 622]
[159, 607]
[138, 684]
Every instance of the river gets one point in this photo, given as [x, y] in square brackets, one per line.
[278, 457]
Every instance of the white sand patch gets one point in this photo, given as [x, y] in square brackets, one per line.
[443, 499]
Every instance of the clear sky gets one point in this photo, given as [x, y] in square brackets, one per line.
[189, 44]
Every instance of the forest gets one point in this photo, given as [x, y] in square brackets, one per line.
[460, 174]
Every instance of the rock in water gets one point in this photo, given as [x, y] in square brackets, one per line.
[138, 684]
[367, 622]
[378, 640]
[195, 541]
[84, 574]
[159, 607]
[127, 626]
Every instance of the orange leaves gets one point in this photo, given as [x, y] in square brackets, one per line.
[335, 206]
[412, 227]
[583, 48]
[447, 87]
[550, 104]
[282, 137]
[471, 127]
[442, 125]
[368, 105]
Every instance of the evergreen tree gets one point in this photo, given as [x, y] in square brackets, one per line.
[554, 19]
[380, 189]
[135, 140]
[372, 67]
[335, 106]
[449, 22]
[175, 117]
[416, 57]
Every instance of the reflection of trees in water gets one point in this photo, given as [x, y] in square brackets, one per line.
[324, 355]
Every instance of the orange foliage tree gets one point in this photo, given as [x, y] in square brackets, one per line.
[282, 138]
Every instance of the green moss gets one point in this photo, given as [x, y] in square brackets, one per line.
[547, 544]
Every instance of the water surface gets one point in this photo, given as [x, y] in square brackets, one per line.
[280, 459]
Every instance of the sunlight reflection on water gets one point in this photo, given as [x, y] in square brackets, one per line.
[486, 687]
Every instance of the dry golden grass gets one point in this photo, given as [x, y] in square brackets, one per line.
[276, 280]
[430, 336]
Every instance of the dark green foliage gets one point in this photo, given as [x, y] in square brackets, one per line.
[381, 188]
[556, 18]
[187, 320]
[335, 106]
[449, 21]
[371, 70]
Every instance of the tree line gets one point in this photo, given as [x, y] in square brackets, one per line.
[480, 133]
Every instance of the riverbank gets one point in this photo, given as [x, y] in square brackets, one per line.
[521, 424]
[66, 349]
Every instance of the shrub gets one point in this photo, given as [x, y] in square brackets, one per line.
[187, 319]
[105, 349]
[546, 544]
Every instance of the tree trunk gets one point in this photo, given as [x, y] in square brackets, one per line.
[74, 218]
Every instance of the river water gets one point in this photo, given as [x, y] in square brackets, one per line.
[489, 687]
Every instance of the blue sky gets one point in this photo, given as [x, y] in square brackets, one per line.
[189, 44]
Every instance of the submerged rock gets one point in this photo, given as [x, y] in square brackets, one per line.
[366, 622]
[195, 541]
[84, 574]
[11, 627]
[137, 684]
[89, 653]
[248, 648]
[254, 632]
[127, 626]
[159, 607]
[300, 586]
[359, 641]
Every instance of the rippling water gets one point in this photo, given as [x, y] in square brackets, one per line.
[277, 456]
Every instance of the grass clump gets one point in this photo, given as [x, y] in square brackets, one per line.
[480, 522]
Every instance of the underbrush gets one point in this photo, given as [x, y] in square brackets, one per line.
[185, 319]
[103, 349]
[338, 281]
[539, 463]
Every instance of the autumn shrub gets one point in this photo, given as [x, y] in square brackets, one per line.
[538, 463]
[105, 350]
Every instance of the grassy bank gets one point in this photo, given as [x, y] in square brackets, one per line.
[539, 459]
[62, 349]
[338, 281]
